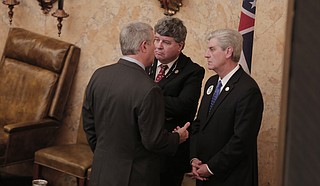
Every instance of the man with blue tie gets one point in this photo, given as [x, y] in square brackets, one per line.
[224, 136]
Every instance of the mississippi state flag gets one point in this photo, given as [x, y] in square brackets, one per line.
[246, 26]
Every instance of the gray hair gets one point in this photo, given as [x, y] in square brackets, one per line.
[171, 27]
[132, 35]
[228, 38]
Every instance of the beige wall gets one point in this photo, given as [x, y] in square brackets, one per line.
[268, 63]
[94, 27]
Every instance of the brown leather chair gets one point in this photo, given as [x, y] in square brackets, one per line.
[36, 74]
[88, 175]
[72, 159]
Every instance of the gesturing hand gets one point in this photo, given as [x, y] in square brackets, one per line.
[183, 132]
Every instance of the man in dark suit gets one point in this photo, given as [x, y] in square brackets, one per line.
[181, 85]
[224, 136]
[123, 116]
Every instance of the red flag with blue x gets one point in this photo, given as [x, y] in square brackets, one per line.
[246, 28]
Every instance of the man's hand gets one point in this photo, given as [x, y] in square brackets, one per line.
[199, 170]
[183, 132]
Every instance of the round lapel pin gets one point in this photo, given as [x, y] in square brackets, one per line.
[209, 90]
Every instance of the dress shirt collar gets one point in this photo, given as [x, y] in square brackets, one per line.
[169, 64]
[225, 80]
[133, 61]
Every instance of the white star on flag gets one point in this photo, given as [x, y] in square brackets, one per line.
[253, 3]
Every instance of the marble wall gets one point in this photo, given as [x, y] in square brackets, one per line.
[94, 27]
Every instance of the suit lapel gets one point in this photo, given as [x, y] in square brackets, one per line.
[227, 89]
[209, 91]
[151, 70]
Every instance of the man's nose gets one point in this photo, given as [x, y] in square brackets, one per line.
[159, 45]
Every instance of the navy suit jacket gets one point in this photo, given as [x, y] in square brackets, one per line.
[181, 89]
[226, 138]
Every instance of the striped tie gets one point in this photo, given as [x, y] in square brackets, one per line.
[215, 95]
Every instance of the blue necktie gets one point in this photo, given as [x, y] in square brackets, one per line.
[215, 95]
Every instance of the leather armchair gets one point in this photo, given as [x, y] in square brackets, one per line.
[72, 159]
[36, 74]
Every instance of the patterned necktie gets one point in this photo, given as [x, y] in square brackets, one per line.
[215, 95]
[162, 71]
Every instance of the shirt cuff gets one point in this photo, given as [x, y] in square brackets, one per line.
[192, 160]
[209, 169]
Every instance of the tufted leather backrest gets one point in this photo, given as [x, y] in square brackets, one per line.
[36, 74]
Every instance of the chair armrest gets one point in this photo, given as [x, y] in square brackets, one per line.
[17, 127]
[25, 138]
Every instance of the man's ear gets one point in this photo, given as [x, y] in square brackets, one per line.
[143, 46]
[229, 52]
[181, 44]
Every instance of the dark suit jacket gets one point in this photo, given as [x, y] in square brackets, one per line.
[181, 89]
[226, 138]
[123, 116]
